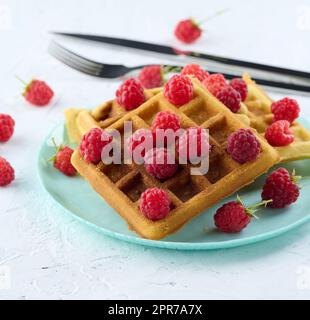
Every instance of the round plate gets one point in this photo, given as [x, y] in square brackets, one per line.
[77, 197]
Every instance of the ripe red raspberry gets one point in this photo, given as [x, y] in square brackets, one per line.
[279, 134]
[6, 127]
[187, 31]
[151, 77]
[155, 203]
[62, 161]
[243, 146]
[93, 143]
[144, 136]
[38, 93]
[179, 90]
[7, 174]
[130, 94]
[240, 86]
[195, 71]
[285, 109]
[232, 217]
[281, 188]
[214, 83]
[160, 163]
[230, 98]
[193, 143]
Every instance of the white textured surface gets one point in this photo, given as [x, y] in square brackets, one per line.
[50, 255]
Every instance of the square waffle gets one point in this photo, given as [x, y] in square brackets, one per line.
[80, 121]
[121, 185]
[259, 113]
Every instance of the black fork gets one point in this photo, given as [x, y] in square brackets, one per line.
[110, 71]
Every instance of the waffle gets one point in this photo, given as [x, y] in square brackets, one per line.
[80, 121]
[259, 113]
[121, 185]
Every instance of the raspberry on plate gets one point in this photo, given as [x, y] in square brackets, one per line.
[214, 83]
[187, 31]
[243, 146]
[38, 93]
[230, 98]
[93, 143]
[195, 71]
[179, 90]
[155, 203]
[193, 143]
[62, 161]
[7, 174]
[240, 86]
[279, 134]
[285, 109]
[140, 136]
[281, 188]
[160, 163]
[151, 77]
[130, 94]
[7, 124]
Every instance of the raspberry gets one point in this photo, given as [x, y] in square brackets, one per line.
[7, 174]
[240, 86]
[93, 143]
[230, 98]
[38, 93]
[62, 161]
[243, 146]
[285, 109]
[214, 83]
[155, 203]
[195, 71]
[279, 134]
[6, 127]
[140, 136]
[232, 217]
[193, 143]
[151, 77]
[160, 163]
[130, 94]
[179, 90]
[281, 188]
[187, 31]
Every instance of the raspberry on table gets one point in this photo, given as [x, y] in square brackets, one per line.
[243, 146]
[155, 204]
[195, 71]
[7, 124]
[232, 217]
[38, 93]
[280, 187]
[285, 109]
[160, 163]
[93, 143]
[193, 143]
[130, 94]
[240, 86]
[62, 161]
[187, 31]
[140, 136]
[151, 77]
[214, 83]
[179, 90]
[7, 174]
[230, 98]
[279, 134]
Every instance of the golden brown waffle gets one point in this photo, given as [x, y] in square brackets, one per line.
[80, 121]
[122, 185]
[259, 112]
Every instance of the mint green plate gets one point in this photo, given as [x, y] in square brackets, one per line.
[77, 197]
